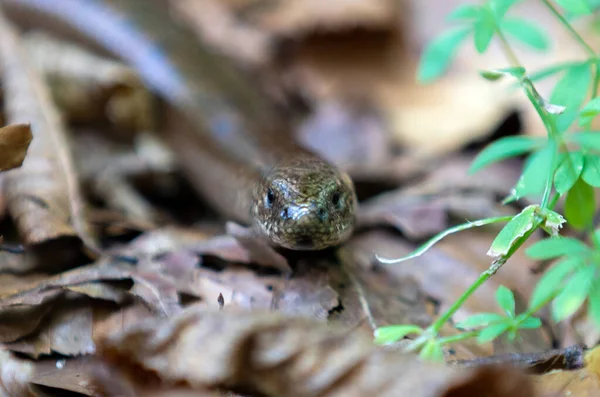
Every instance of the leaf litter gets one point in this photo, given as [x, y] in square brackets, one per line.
[174, 307]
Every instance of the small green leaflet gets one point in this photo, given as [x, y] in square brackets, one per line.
[551, 70]
[500, 7]
[492, 332]
[439, 53]
[530, 323]
[568, 171]
[574, 294]
[575, 7]
[526, 32]
[517, 72]
[580, 205]
[513, 231]
[588, 140]
[464, 12]
[393, 333]
[484, 29]
[589, 112]
[591, 170]
[533, 180]
[553, 221]
[506, 300]
[505, 148]
[552, 279]
[480, 320]
[432, 351]
[557, 246]
[594, 302]
[571, 91]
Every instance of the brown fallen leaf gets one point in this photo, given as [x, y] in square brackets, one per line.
[90, 88]
[297, 17]
[448, 192]
[43, 194]
[14, 142]
[24, 307]
[68, 332]
[375, 297]
[15, 375]
[274, 355]
[579, 383]
[74, 374]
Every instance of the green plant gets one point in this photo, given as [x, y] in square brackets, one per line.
[564, 163]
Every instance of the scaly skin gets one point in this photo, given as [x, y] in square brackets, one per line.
[287, 193]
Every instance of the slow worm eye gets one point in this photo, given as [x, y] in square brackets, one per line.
[270, 198]
[335, 199]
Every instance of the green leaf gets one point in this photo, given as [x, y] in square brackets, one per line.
[464, 12]
[432, 351]
[393, 333]
[580, 205]
[568, 171]
[505, 148]
[484, 30]
[492, 332]
[594, 302]
[506, 300]
[530, 323]
[591, 170]
[500, 7]
[588, 140]
[495, 74]
[439, 53]
[557, 246]
[526, 31]
[571, 91]
[552, 280]
[533, 180]
[575, 7]
[589, 112]
[512, 231]
[553, 221]
[574, 294]
[551, 70]
[480, 320]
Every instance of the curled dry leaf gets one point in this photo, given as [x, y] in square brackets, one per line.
[68, 332]
[297, 16]
[43, 195]
[375, 297]
[14, 142]
[90, 88]
[282, 356]
[14, 376]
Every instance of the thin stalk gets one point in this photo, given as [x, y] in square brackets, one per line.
[483, 277]
[570, 28]
[587, 48]
[458, 337]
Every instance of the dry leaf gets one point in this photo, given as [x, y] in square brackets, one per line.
[73, 374]
[15, 375]
[285, 356]
[297, 17]
[14, 142]
[89, 88]
[68, 332]
[43, 195]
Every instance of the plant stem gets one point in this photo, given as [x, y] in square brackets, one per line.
[458, 337]
[483, 277]
[570, 28]
[588, 49]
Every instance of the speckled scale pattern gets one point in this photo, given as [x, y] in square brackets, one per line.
[304, 203]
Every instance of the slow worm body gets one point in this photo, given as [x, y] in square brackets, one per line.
[247, 165]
